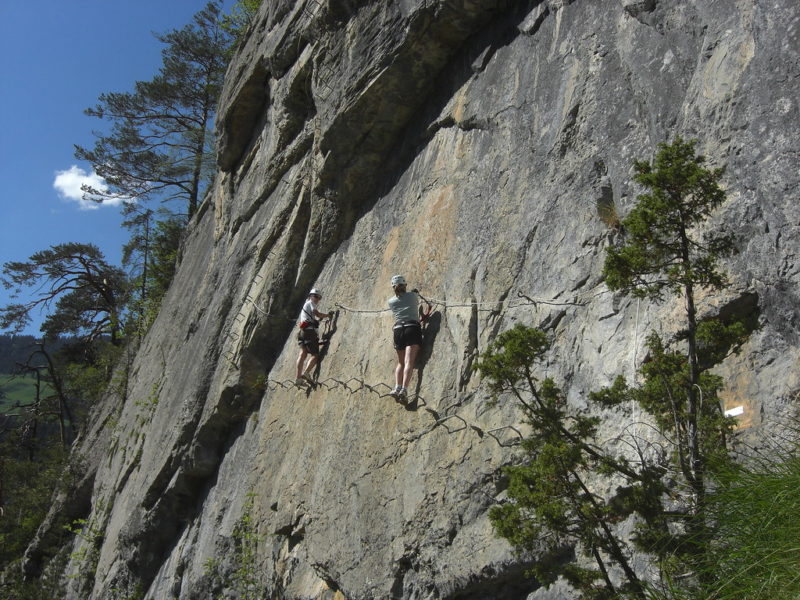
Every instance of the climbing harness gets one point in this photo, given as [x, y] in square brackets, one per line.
[312, 323]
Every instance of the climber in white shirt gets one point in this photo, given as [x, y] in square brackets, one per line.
[407, 335]
[308, 336]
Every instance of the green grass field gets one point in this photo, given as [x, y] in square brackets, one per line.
[16, 389]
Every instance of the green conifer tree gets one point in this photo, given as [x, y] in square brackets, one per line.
[553, 499]
[160, 142]
[89, 294]
[555, 505]
[667, 254]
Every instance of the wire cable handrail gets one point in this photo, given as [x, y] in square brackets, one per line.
[474, 304]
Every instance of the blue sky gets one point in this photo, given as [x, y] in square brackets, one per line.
[56, 58]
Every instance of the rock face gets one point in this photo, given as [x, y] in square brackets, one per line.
[483, 149]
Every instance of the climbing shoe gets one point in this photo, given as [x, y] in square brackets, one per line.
[402, 395]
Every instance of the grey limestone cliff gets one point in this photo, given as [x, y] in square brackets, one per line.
[481, 148]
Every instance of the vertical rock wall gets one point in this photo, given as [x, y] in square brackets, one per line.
[482, 148]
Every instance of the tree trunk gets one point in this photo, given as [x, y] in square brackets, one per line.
[199, 155]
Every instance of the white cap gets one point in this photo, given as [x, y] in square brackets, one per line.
[315, 292]
[398, 280]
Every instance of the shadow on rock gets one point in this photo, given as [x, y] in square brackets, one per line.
[430, 330]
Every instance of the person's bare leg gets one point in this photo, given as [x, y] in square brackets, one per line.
[398, 370]
[312, 362]
[301, 359]
[411, 358]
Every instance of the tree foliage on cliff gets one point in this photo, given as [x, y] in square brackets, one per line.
[26, 485]
[88, 293]
[151, 256]
[666, 253]
[87, 298]
[159, 145]
[555, 497]
[554, 506]
[239, 19]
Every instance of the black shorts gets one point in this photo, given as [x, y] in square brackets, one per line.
[308, 338]
[407, 333]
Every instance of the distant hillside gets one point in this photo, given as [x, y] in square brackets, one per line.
[15, 349]
[15, 390]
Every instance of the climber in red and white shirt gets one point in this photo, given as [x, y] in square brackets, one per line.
[308, 336]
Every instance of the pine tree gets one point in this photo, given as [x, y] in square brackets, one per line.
[151, 255]
[664, 253]
[159, 145]
[554, 504]
[238, 21]
[89, 294]
[553, 501]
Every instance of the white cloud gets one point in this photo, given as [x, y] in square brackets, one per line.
[68, 185]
